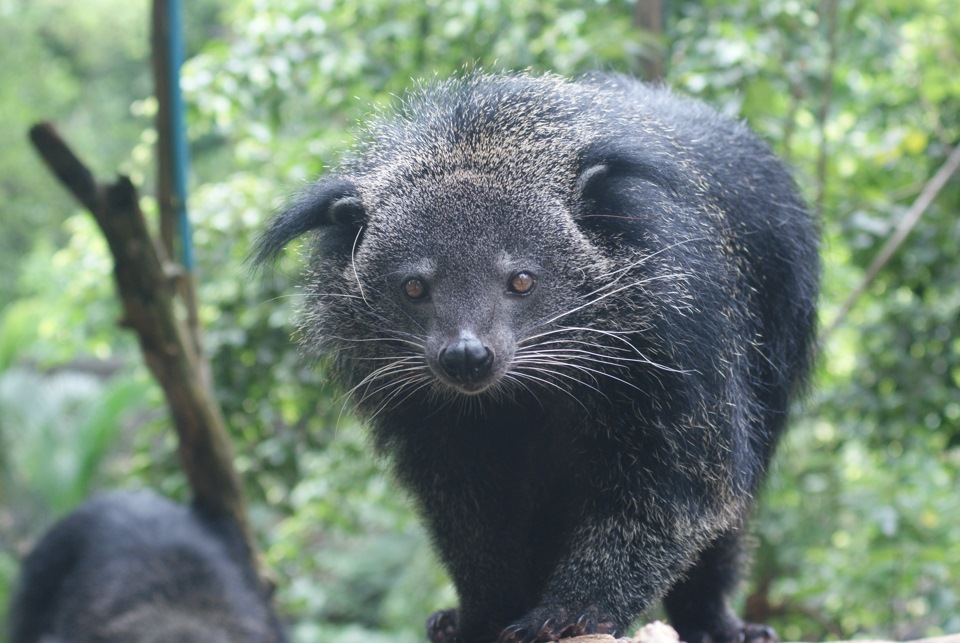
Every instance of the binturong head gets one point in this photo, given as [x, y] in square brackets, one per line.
[466, 248]
[436, 286]
[444, 243]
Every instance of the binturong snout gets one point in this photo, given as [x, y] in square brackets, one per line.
[467, 361]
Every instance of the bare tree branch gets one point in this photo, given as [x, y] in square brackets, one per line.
[144, 279]
[910, 219]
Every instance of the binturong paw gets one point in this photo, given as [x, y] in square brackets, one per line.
[544, 625]
[442, 627]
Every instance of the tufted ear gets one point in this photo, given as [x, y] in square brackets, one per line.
[608, 161]
[328, 202]
[619, 184]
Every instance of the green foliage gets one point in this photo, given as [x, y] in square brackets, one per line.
[56, 427]
[857, 532]
[8, 572]
[369, 566]
[295, 75]
[886, 542]
[68, 421]
[72, 309]
[57, 67]
[18, 329]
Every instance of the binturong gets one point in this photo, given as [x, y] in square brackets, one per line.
[135, 567]
[573, 315]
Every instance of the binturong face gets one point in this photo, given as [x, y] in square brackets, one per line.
[454, 284]
[490, 245]
[469, 282]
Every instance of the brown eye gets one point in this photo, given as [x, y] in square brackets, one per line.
[522, 283]
[414, 288]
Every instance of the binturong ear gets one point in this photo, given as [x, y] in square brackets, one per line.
[619, 185]
[328, 202]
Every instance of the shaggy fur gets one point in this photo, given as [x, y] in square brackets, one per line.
[587, 444]
[138, 568]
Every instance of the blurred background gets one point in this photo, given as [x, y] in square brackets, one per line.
[858, 533]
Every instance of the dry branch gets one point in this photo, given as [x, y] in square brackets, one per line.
[145, 280]
[907, 223]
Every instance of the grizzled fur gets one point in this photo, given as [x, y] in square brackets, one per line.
[138, 568]
[574, 314]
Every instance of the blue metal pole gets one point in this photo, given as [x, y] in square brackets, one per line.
[181, 153]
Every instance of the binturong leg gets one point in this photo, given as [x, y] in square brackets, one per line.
[698, 606]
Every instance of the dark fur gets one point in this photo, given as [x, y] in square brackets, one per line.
[586, 448]
[138, 568]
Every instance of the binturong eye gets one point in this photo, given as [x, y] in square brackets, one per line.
[414, 288]
[521, 283]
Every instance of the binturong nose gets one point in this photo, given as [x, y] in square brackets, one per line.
[466, 359]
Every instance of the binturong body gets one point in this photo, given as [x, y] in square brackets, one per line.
[573, 314]
[135, 567]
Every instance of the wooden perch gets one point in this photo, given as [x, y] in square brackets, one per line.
[145, 280]
[659, 632]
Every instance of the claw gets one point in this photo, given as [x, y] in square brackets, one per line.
[574, 629]
[511, 634]
[558, 625]
[442, 626]
[545, 630]
[607, 627]
[582, 626]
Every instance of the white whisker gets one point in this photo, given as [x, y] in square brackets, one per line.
[353, 264]
[606, 295]
[548, 382]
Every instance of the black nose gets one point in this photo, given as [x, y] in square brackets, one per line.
[466, 359]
